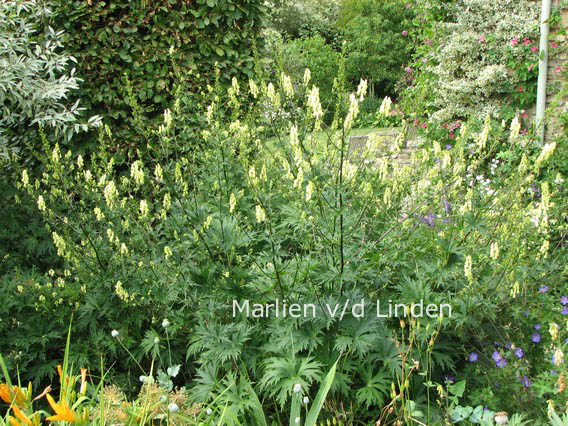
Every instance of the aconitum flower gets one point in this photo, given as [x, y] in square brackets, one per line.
[519, 353]
[535, 337]
[564, 300]
[526, 382]
[543, 289]
[472, 357]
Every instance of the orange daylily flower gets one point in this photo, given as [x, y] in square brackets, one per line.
[13, 421]
[62, 411]
[20, 415]
[6, 395]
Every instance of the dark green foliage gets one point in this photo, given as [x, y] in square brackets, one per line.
[375, 46]
[158, 46]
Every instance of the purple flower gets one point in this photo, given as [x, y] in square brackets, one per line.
[508, 345]
[447, 206]
[472, 357]
[535, 337]
[526, 313]
[448, 147]
[566, 340]
[564, 310]
[405, 33]
[502, 363]
[564, 300]
[519, 353]
[408, 69]
[448, 378]
[526, 382]
[496, 356]
[543, 289]
[537, 326]
[554, 372]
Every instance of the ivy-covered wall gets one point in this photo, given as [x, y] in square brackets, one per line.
[156, 45]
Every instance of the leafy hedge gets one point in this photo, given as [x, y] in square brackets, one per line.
[156, 47]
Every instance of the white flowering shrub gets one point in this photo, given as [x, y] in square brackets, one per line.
[482, 59]
[297, 217]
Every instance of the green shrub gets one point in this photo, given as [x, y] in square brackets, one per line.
[376, 48]
[156, 47]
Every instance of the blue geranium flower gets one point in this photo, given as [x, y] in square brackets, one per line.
[535, 337]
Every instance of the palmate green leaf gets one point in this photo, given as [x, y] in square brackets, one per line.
[359, 335]
[376, 387]
[151, 343]
[282, 374]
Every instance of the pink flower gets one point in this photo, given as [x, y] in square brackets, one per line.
[534, 49]
[445, 125]
[428, 42]
[424, 125]
[554, 45]
[514, 41]
[558, 68]
[408, 69]
[526, 41]
[405, 33]
[482, 38]
[520, 89]
[531, 67]
[524, 132]
[524, 114]
[415, 122]
[408, 5]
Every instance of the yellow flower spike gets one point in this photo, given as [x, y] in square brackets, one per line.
[20, 415]
[83, 381]
[62, 411]
[59, 371]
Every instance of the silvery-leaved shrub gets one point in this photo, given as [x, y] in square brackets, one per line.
[36, 76]
[482, 57]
